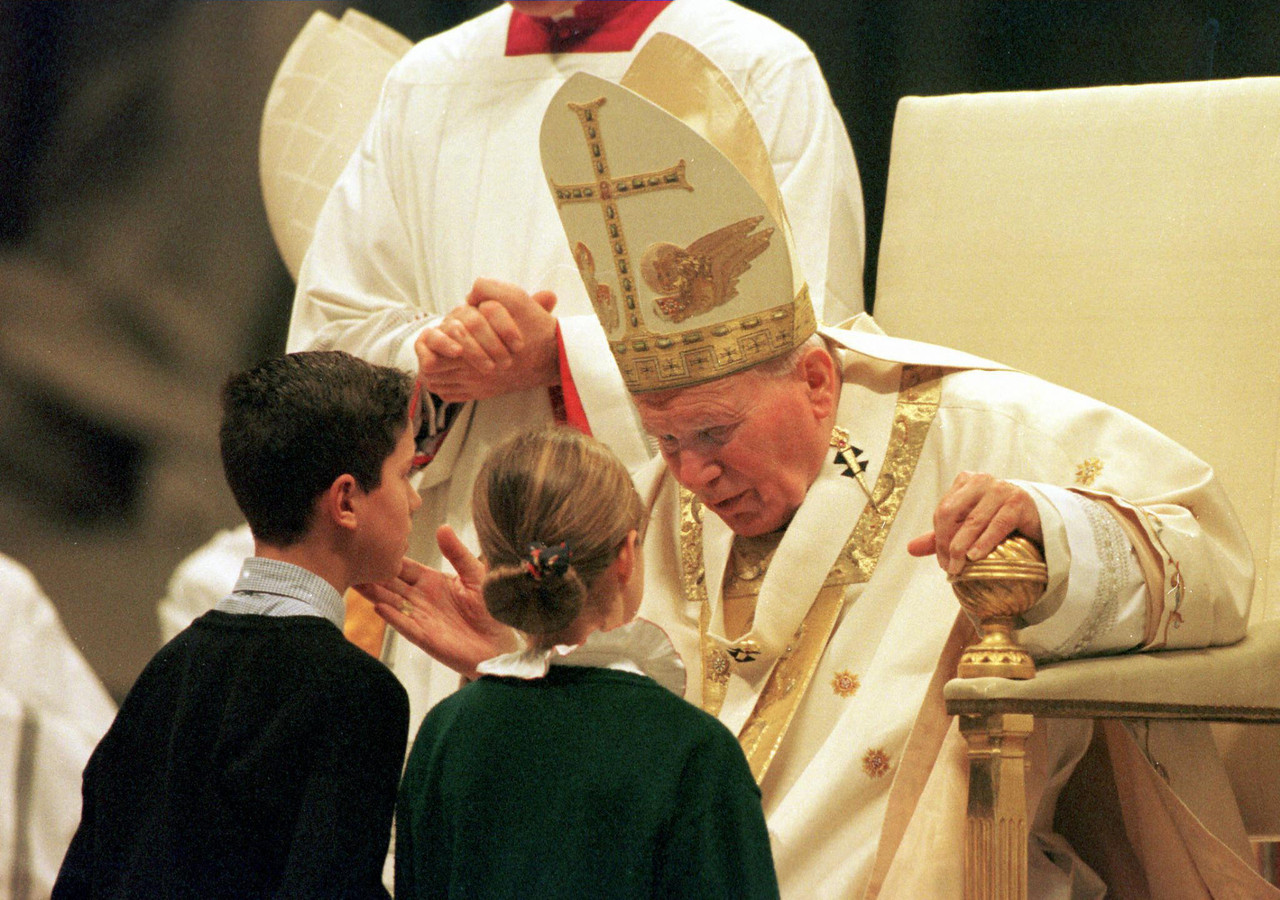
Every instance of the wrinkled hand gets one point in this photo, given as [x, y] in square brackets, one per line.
[977, 513]
[500, 340]
[443, 614]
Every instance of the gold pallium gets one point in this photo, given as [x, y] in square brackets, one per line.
[762, 733]
[705, 274]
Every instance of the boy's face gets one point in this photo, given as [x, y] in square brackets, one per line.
[386, 514]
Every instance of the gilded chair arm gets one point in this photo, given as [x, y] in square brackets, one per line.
[1236, 683]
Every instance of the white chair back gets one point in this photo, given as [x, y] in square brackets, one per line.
[1124, 242]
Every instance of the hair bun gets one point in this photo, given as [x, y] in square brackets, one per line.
[539, 605]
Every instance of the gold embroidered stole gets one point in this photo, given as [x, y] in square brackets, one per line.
[762, 733]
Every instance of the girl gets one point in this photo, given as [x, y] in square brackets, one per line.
[574, 769]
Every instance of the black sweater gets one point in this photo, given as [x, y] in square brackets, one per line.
[254, 757]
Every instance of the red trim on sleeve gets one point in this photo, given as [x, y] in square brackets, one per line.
[595, 26]
[575, 416]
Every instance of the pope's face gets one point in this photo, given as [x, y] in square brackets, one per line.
[748, 445]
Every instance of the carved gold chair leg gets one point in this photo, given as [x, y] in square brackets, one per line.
[993, 591]
[995, 863]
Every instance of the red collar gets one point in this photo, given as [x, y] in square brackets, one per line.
[594, 26]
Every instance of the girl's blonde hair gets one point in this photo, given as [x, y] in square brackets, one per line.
[536, 492]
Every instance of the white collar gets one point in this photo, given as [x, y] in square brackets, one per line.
[639, 647]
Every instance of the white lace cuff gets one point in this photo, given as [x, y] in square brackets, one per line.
[1096, 598]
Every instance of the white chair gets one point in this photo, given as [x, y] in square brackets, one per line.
[1124, 242]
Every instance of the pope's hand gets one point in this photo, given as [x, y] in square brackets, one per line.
[977, 513]
[443, 614]
[500, 340]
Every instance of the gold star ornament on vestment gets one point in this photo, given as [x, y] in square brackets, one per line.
[876, 763]
[1088, 471]
[845, 684]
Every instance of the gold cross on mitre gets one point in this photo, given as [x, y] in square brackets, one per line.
[702, 283]
[607, 191]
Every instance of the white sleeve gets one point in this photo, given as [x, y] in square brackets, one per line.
[357, 289]
[1095, 601]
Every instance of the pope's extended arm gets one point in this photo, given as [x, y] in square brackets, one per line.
[444, 615]
[1115, 568]
[979, 511]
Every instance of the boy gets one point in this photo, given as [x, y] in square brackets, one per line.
[258, 753]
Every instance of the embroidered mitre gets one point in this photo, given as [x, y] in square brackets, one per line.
[673, 216]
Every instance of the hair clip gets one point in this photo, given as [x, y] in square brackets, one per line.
[543, 560]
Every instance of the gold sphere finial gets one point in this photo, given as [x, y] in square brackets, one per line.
[995, 590]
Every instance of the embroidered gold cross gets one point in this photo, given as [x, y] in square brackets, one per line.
[607, 190]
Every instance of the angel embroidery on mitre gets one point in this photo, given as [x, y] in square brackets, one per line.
[601, 294]
[704, 275]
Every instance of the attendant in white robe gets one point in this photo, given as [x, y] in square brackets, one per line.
[53, 712]
[815, 489]
[447, 187]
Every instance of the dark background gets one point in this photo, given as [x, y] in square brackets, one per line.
[137, 270]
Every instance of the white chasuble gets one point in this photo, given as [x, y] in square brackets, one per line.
[828, 779]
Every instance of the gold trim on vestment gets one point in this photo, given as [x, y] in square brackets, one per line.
[762, 733]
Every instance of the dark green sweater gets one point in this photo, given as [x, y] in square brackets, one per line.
[587, 783]
[254, 757]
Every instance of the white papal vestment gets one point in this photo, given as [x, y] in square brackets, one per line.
[1143, 551]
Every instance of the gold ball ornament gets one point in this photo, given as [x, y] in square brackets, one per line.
[995, 590]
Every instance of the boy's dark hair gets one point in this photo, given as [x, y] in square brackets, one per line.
[293, 424]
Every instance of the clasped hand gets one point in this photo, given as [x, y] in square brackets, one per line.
[500, 340]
